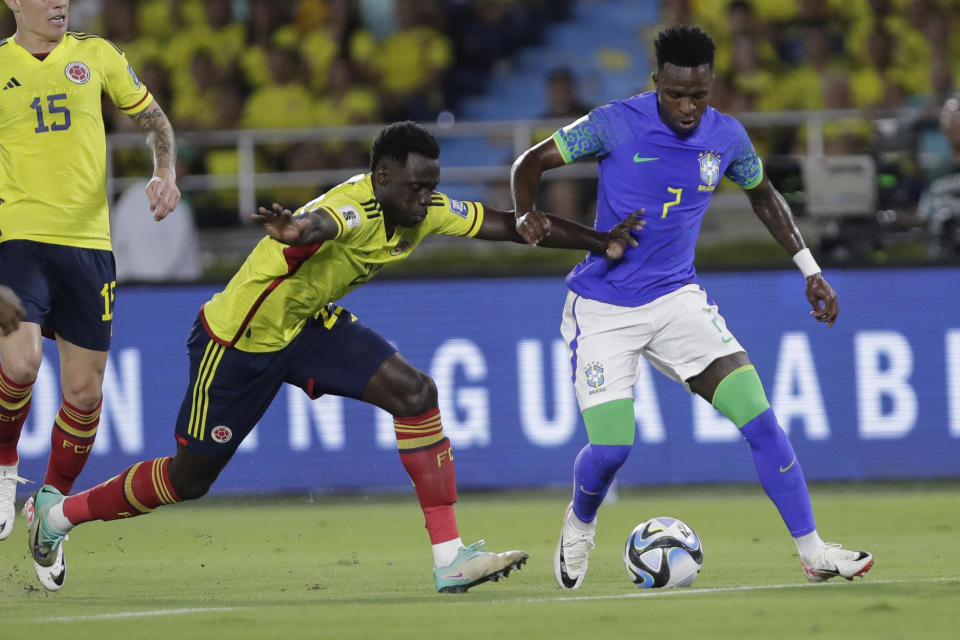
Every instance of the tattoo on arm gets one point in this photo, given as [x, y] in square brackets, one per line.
[153, 122]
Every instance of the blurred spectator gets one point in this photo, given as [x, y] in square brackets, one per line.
[219, 207]
[750, 78]
[741, 19]
[850, 135]
[149, 252]
[563, 100]
[340, 35]
[940, 203]
[803, 86]
[214, 29]
[195, 96]
[284, 102]
[268, 24]
[868, 80]
[120, 26]
[348, 100]
[410, 64]
[572, 199]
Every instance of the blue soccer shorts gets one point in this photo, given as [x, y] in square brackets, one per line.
[230, 389]
[68, 291]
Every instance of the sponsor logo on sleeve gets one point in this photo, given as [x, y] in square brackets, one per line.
[350, 215]
[136, 80]
[459, 207]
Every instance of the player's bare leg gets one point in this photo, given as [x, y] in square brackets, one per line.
[732, 385]
[411, 397]
[20, 355]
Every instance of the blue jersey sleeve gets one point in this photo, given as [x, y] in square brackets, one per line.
[595, 134]
[745, 169]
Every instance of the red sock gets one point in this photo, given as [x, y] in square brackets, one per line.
[14, 407]
[70, 444]
[426, 455]
[138, 490]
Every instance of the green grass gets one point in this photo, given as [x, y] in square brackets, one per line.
[359, 567]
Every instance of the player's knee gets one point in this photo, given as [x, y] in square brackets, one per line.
[191, 476]
[84, 397]
[191, 487]
[24, 369]
[417, 397]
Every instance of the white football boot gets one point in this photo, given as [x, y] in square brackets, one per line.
[475, 565]
[45, 543]
[8, 496]
[832, 560]
[572, 556]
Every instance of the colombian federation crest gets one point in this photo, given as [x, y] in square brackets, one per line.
[77, 72]
[221, 434]
[402, 246]
[710, 168]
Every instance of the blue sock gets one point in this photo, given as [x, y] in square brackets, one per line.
[780, 472]
[593, 473]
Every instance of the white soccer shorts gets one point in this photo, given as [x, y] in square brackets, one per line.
[679, 333]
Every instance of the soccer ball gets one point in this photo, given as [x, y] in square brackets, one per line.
[663, 552]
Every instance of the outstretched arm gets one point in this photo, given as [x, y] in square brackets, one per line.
[532, 225]
[11, 311]
[773, 210]
[309, 227]
[162, 189]
[564, 233]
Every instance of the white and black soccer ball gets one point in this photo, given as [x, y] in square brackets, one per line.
[663, 552]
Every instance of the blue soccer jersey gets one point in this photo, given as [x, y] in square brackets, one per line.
[645, 165]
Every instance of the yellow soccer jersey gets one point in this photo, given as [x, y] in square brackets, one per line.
[53, 164]
[278, 288]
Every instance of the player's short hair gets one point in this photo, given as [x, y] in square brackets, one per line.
[399, 139]
[684, 46]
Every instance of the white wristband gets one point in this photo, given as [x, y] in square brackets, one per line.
[806, 263]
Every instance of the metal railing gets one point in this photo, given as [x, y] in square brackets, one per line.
[515, 135]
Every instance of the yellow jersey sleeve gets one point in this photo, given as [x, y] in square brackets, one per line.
[450, 217]
[120, 82]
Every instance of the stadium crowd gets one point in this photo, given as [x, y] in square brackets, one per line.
[260, 64]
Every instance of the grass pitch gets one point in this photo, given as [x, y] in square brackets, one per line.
[359, 567]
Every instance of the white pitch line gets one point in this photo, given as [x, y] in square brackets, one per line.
[638, 594]
[141, 614]
[661, 593]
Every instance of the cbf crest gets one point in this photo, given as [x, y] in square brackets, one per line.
[709, 170]
[594, 376]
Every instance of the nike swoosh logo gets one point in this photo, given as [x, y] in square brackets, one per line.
[589, 493]
[457, 575]
[568, 582]
[726, 340]
[637, 158]
[787, 468]
[58, 578]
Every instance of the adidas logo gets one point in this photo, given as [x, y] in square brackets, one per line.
[11, 84]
